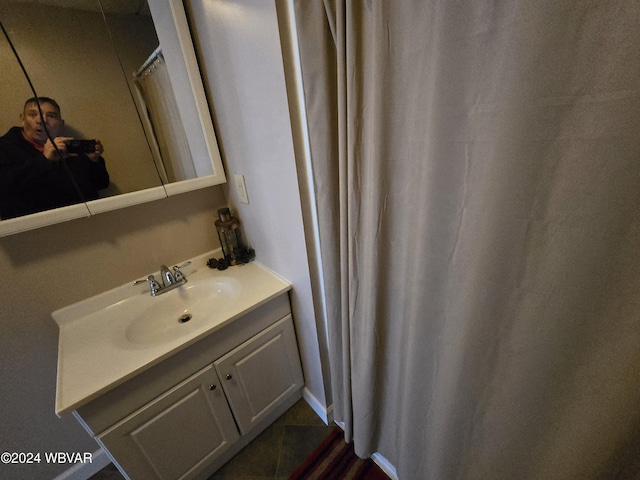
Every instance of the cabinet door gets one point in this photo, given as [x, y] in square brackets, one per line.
[177, 434]
[261, 372]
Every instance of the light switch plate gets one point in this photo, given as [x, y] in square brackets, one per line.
[241, 188]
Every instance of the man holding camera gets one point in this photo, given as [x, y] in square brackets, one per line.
[41, 170]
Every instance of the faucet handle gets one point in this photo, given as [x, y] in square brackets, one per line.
[142, 280]
[177, 274]
[154, 286]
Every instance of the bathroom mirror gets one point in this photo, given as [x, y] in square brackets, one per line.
[107, 103]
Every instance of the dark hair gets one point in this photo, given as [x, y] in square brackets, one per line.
[38, 100]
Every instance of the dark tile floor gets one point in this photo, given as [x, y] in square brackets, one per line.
[273, 455]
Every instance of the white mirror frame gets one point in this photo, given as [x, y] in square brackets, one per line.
[173, 32]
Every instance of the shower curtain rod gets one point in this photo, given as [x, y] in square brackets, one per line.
[152, 58]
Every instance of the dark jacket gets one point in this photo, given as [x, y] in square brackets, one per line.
[30, 183]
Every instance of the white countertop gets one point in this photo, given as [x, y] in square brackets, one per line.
[94, 356]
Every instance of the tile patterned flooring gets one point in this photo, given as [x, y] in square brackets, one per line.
[273, 455]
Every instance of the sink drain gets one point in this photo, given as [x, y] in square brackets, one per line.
[185, 318]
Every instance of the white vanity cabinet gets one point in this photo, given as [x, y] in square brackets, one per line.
[175, 434]
[260, 373]
[188, 415]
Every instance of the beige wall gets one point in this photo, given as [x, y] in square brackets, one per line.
[52, 267]
[238, 45]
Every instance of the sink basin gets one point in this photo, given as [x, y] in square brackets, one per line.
[179, 311]
[111, 337]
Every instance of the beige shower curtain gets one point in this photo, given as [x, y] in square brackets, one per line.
[163, 115]
[477, 176]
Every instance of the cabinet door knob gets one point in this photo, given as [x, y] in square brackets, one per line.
[229, 376]
[212, 387]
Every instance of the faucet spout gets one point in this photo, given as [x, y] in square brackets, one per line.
[167, 276]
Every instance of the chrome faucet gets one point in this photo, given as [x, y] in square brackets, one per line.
[170, 279]
[167, 276]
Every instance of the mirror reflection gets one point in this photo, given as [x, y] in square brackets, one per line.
[41, 168]
[70, 58]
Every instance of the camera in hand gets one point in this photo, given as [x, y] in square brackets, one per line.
[81, 146]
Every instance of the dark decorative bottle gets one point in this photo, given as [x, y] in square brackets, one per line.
[231, 238]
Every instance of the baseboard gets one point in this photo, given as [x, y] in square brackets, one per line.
[82, 471]
[325, 413]
[385, 465]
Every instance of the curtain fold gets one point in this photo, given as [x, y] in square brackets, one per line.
[477, 172]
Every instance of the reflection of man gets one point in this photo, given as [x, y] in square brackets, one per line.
[32, 177]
